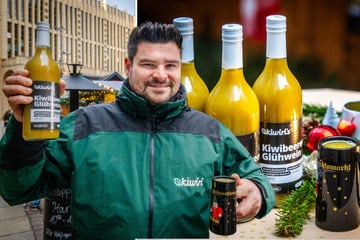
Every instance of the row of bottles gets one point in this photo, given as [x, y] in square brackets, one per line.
[267, 117]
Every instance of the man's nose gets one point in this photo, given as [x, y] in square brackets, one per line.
[160, 73]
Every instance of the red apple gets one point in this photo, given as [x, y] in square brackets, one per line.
[346, 127]
[318, 133]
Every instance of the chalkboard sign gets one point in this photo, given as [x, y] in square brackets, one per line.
[57, 215]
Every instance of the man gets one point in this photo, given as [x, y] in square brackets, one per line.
[140, 167]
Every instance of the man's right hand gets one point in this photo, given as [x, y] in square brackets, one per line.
[17, 89]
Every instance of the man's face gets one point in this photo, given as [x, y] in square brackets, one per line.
[155, 71]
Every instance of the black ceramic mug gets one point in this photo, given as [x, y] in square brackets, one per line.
[337, 184]
[223, 205]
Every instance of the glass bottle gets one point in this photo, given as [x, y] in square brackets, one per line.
[41, 118]
[197, 91]
[232, 101]
[280, 97]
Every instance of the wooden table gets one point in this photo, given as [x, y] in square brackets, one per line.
[264, 228]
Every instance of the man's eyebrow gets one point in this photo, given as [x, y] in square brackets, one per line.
[154, 61]
[146, 60]
[173, 61]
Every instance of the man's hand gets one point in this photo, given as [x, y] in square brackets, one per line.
[18, 90]
[250, 197]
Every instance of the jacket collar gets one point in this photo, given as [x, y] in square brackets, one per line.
[137, 106]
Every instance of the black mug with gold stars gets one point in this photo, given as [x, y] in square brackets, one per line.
[337, 184]
[223, 205]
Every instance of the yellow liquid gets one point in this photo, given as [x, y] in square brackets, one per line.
[197, 91]
[233, 102]
[354, 106]
[338, 144]
[224, 180]
[280, 98]
[41, 67]
[279, 93]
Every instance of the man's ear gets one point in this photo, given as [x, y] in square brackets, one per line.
[127, 66]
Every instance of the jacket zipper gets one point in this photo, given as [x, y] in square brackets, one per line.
[151, 187]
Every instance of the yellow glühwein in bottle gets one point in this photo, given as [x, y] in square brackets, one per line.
[196, 89]
[41, 118]
[280, 97]
[232, 101]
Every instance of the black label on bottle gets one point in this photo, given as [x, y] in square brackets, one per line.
[251, 143]
[281, 154]
[45, 108]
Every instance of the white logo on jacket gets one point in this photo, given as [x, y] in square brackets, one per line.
[189, 182]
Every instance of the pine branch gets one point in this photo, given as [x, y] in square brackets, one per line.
[314, 111]
[294, 210]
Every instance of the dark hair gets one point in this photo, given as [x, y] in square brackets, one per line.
[153, 32]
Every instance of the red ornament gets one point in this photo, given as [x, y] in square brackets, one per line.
[318, 133]
[346, 127]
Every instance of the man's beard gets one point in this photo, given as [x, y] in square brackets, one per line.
[153, 82]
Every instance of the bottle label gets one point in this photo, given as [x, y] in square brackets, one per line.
[281, 154]
[45, 108]
[251, 143]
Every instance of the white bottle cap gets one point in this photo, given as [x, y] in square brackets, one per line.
[42, 34]
[185, 25]
[186, 28]
[43, 26]
[232, 55]
[276, 36]
[275, 23]
[232, 32]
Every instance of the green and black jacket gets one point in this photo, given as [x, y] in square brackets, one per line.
[135, 171]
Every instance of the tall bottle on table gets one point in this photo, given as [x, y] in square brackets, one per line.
[197, 91]
[42, 117]
[280, 97]
[232, 101]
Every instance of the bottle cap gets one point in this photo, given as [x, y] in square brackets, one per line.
[232, 32]
[232, 46]
[43, 26]
[276, 23]
[185, 25]
[42, 34]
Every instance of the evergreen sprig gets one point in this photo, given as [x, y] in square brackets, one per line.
[294, 209]
[311, 111]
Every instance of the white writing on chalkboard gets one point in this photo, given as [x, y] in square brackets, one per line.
[59, 214]
[55, 234]
[57, 208]
[61, 193]
[55, 219]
